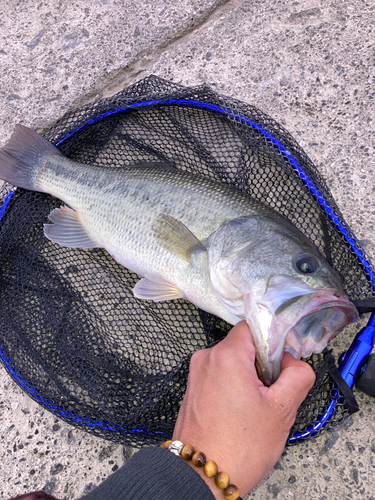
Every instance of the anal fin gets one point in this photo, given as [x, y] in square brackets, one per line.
[156, 288]
[67, 229]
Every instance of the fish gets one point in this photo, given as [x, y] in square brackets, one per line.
[192, 237]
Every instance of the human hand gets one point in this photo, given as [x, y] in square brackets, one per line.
[235, 420]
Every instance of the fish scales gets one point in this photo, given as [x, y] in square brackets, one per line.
[120, 207]
[125, 204]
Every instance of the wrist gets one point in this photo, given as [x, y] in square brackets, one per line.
[217, 481]
[215, 490]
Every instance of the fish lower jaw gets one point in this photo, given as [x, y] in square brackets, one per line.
[292, 344]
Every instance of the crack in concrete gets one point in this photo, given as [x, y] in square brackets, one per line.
[120, 78]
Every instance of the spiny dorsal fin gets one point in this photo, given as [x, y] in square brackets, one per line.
[176, 237]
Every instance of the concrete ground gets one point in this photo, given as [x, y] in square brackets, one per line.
[309, 64]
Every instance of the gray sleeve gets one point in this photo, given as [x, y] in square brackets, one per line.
[153, 474]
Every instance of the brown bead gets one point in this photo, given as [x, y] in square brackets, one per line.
[210, 469]
[222, 480]
[199, 459]
[166, 444]
[187, 452]
[232, 492]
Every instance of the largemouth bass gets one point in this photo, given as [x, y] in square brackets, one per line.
[191, 237]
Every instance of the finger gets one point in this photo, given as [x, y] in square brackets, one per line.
[240, 339]
[295, 380]
[307, 371]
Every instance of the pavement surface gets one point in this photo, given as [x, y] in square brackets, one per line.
[309, 64]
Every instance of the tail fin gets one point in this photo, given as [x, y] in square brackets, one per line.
[21, 157]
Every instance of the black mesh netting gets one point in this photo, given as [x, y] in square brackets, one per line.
[72, 334]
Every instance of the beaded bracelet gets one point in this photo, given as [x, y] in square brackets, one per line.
[210, 468]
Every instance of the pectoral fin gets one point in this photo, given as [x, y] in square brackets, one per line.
[67, 229]
[157, 289]
[176, 237]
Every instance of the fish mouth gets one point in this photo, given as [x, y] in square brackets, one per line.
[301, 325]
[314, 330]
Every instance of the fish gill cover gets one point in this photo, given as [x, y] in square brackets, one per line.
[73, 336]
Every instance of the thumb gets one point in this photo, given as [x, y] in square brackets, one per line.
[295, 380]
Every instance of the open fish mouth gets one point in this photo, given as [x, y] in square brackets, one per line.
[302, 326]
[314, 330]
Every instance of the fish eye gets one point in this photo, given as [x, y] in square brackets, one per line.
[307, 264]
